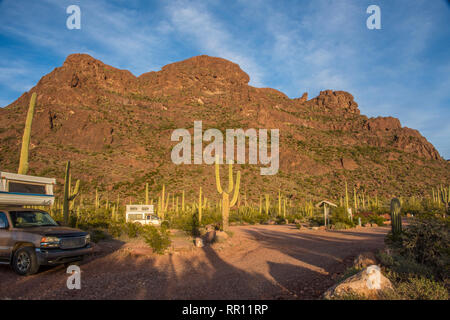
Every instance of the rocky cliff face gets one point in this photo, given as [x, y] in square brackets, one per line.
[116, 129]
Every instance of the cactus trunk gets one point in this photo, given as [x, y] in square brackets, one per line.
[23, 163]
[396, 219]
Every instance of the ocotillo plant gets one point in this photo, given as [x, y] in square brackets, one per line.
[267, 203]
[226, 203]
[68, 196]
[396, 219]
[23, 163]
[146, 194]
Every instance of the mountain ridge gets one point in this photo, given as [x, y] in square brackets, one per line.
[106, 119]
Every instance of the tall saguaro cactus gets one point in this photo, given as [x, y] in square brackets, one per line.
[226, 203]
[23, 164]
[68, 195]
[396, 219]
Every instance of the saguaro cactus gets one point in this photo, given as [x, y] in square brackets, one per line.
[163, 205]
[267, 203]
[226, 203]
[23, 164]
[68, 195]
[445, 198]
[396, 219]
[200, 206]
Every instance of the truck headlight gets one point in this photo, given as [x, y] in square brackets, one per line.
[88, 239]
[50, 242]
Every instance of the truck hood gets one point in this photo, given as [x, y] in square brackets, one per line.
[55, 231]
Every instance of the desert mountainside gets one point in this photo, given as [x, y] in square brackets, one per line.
[116, 129]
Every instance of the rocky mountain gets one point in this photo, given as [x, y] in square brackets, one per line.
[116, 130]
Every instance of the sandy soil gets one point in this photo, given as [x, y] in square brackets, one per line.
[259, 262]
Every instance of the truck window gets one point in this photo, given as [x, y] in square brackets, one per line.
[3, 219]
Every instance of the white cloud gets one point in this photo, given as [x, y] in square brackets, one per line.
[199, 25]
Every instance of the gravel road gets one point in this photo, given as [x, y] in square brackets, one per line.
[259, 262]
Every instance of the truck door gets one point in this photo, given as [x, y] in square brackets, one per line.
[5, 238]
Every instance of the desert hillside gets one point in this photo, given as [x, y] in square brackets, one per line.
[116, 129]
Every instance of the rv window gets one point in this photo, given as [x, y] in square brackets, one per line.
[133, 209]
[26, 188]
[135, 216]
[144, 209]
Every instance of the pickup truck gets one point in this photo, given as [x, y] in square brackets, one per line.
[30, 238]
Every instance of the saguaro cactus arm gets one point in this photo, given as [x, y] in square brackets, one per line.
[236, 190]
[23, 163]
[75, 192]
[219, 187]
[230, 178]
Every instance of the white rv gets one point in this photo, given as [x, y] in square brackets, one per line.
[24, 190]
[143, 214]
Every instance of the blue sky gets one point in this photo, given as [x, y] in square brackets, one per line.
[402, 70]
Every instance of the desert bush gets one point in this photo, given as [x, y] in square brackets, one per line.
[374, 218]
[340, 217]
[132, 229]
[426, 241]
[115, 230]
[416, 288]
[342, 226]
[403, 267]
[97, 235]
[157, 238]
[280, 220]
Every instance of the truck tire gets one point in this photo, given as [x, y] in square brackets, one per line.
[25, 262]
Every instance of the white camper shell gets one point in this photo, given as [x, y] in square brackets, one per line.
[143, 214]
[24, 190]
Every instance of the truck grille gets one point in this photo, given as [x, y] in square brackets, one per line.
[72, 243]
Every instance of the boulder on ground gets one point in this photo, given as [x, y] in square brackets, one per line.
[368, 283]
[209, 237]
[367, 225]
[271, 222]
[221, 236]
[374, 225]
[364, 260]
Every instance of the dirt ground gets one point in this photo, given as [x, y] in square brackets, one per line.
[258, 262]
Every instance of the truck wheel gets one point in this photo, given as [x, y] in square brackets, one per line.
[25, 262]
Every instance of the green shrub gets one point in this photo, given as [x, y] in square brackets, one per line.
[97, 235]
[157, 238]
[404, 267]
[374, 218]
[132, 229]
[427, 242]
[342, 226]
[418, 288]
[115, 230]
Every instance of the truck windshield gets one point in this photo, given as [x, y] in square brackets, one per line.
[28, 219]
